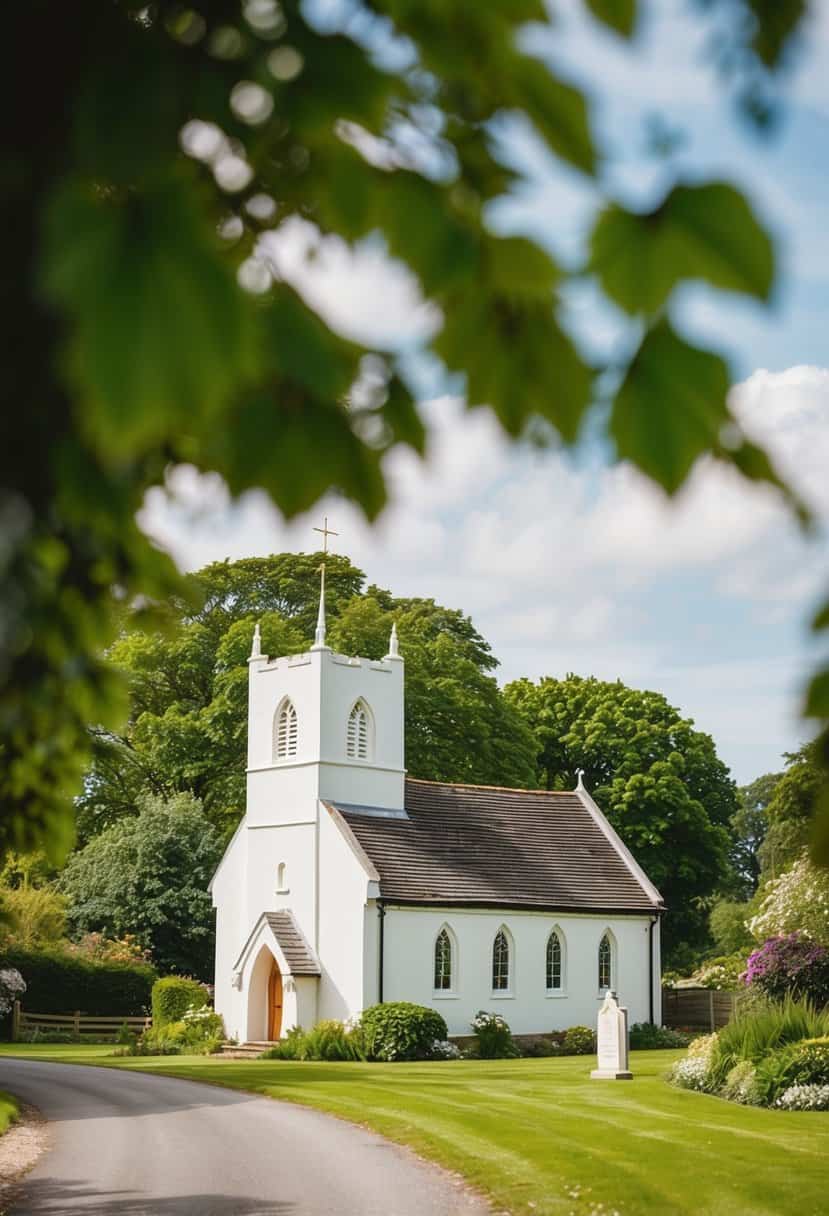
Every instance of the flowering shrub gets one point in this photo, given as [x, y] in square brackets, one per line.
[172, 996]
[702, 1047]
[400, 1030]
[579, 1041]
[692, 1073]
[797, 901]
[723, 974]
[12, 987]
[741, 1084]
[791, 965]
[442, 1049]
[101, 949]
[495, 1041]
[804, 1097]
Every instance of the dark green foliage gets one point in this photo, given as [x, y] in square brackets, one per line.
[791, 809]
[756, 1034]
[749, 825]
[147, 875]
[331, 1040]
[658, 780]
[62, 983]
[134, 347]
[728, 926]
[644, 1036]
[172, 996]
[579, 1041]
[493, 1037]
[399, 1030]
[290, 1047]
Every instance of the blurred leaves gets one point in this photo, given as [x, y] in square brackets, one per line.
[620, 15]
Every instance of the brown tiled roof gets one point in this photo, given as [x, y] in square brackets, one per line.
[298, 954]
[487, 846]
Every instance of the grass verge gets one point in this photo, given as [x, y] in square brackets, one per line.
[541, 1138]
[9, 1111]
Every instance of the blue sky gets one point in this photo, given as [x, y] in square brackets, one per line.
[564, 563]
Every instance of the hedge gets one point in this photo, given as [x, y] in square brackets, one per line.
[172, 996]
[61, 983]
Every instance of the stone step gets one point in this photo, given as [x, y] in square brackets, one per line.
[244, 1051]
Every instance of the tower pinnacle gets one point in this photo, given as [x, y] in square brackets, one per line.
[319, 632]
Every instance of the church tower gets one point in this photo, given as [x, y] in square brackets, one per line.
[323, 725]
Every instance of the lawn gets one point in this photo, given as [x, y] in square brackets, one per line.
[8, 1111]
[540, 1137]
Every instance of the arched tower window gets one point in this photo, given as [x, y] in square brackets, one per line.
[443, 962]
[281, 877]
[605, 963]
[500, 962]
[555, 962]
[358, 736]
[285, 731]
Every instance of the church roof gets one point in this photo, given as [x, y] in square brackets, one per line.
[488, 846]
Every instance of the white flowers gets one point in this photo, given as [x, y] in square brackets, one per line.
[442, 1049]
[487, 1021]
[804, 1097]
[798, 900]
[691, 1073]
[12, 984]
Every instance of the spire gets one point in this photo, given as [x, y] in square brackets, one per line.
[256, 645]
[319, 632]
[580, 782]
[394, 652]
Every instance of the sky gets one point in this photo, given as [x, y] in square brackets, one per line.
[564, 561]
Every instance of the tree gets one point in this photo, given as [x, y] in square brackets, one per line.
[145, 326]
[658, 780]
[729, 926]
[459, 727]
[147, 876]
[749, 825]
[35, 916]
[187, 728]
[791, 809]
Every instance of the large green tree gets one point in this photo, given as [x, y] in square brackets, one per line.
[187, 726]
[148, 146]
[749, 825]
[147, 875]
[791, 808]
[658, 780]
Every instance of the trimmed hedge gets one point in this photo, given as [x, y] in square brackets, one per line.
[61, 983]
[172, 996]
[399, 1030]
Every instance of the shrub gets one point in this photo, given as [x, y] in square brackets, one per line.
[399, 1030]
[805, 1063]
[645, 1036]
[442, 1049]
[798, 900]
[289, 1048]
[59, 983]
[752, 1036]
[692, 1073]
[331, 1040]
[12, 987]
[495, 1041]
[804, 1097]
[723, 974]
[790, 965]
[579, 1041]
[741, 1084]
[172, 996]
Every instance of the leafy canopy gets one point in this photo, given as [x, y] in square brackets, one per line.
[145, 326]
[658, 780]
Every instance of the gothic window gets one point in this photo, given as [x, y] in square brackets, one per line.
[500, 962]
[357, 737]
[605, 963]
[443, 962]
[285, 731]
[554, 962]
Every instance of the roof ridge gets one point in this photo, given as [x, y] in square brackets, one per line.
[471, 785]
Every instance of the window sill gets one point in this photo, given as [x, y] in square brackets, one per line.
[445, 996]
[502, 996]
[555, 996]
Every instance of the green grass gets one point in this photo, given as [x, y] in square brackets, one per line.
[9, 1111]
[541, 1138]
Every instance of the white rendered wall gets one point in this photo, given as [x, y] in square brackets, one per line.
[229, 883]
[343, 894]
[409, 963]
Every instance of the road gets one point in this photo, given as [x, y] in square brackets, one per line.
[133, 1144]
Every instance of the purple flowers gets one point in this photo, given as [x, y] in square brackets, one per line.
[789, 965]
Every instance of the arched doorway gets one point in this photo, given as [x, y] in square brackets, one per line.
[275, 1002]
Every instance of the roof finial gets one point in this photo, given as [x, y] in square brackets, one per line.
[319, 632]
[394, 653]
[579, 775]
[256, 645]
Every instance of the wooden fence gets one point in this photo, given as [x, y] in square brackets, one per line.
[76, 1023]
[697, 1008]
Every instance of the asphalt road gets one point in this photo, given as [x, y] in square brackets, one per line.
[132, 1144]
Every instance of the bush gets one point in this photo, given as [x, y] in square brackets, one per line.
[60, 983]
[442, 1049]
[332, 1040]
[804, 1097]
[289, 1048]
[723, 974]
[805, 1063]
[645, 1036]
[692, 1073]
[579, 1041]
[790, 965]
[755, 1035]
[199, 1031]
[399, 1030]
[172, 996]
[741, 1084]
[494, 1037]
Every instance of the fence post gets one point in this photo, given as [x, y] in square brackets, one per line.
[77, 1026]
[711, 1010]
[15, 1021]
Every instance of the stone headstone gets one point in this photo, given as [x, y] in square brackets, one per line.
[612, 1042]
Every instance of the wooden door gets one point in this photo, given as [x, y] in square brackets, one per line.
[275, 1002]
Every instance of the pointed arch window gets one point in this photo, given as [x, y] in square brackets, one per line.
[501, 962]
[605, 963]
[358, 737]
[443, 962]
[285, 731]
[555, 963]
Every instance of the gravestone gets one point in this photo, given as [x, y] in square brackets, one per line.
[612, 1042]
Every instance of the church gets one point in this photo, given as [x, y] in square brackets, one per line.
[348, 883]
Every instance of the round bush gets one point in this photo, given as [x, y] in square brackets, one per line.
[579, 1041]
[172, 996]
[399, 1030]
[790, 966]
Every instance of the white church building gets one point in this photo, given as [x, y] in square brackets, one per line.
[348, 883]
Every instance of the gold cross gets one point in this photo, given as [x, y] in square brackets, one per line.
[326, 532]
